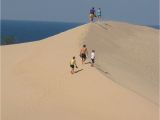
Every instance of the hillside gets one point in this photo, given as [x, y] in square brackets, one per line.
[129, 54]
[37, 84]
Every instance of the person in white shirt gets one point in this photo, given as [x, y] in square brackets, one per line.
[99, 14]
[92, 58]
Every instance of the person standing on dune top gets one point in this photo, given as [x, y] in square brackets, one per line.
[83, 53]
[92, 14]
[99, 14]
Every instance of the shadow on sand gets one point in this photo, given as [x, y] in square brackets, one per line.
[103, 71]
[78, 71]
[87, 63]
[101, 26]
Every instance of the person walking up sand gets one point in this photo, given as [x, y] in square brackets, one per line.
[92, 58]
[73, 64]
[83, 53]
[99, 14]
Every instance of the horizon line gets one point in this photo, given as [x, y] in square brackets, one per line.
[41, 21]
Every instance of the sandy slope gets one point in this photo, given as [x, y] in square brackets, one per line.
[36, 83]
[129, 54]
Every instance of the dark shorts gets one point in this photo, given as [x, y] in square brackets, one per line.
[83, 56]
[92, 60]
[72, 66]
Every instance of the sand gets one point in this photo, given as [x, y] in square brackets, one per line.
[129, 54]
[37, 84]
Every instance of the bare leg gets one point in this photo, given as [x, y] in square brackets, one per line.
[89, 19]
[92, 62]
[83, 60]
[72, 71]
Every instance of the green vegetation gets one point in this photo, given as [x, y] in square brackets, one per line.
[6, 40]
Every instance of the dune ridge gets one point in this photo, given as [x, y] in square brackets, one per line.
[37, 84]
[129, 54]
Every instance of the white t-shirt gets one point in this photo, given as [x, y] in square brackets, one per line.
[92, 55]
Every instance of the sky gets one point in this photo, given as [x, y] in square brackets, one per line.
[144, 12]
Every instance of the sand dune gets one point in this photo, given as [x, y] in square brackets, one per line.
[129, 54]
[37, 85]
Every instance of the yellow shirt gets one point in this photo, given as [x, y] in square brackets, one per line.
[73, 62]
